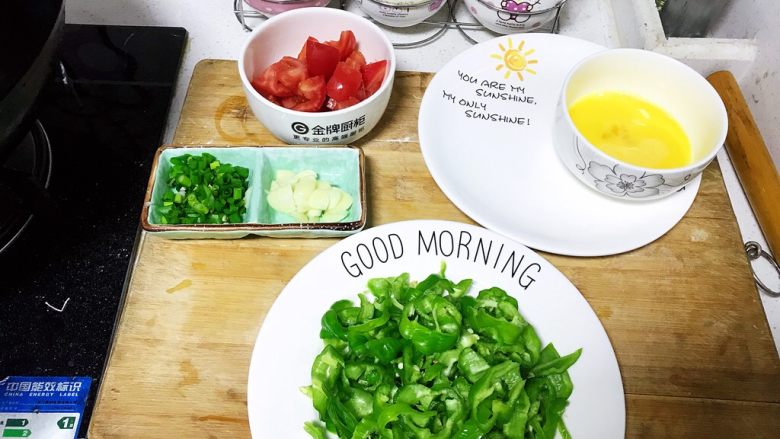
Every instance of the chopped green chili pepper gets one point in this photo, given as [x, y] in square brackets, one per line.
[315, 430]
[201, 190]
[426, 361]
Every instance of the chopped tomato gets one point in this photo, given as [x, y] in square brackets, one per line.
[291, 71]
[347, 44]
[373, 75]
[273, 99]
[268, 84]
[291, 102]
[362, 95]
[312, 93]
[321, 59]
[302, 53]
[356, 60]
[334, 105]
[346, 82]
[323, 77]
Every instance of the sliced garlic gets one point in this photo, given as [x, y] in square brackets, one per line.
[305, 198]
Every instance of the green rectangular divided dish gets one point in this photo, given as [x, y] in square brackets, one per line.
[341, 166]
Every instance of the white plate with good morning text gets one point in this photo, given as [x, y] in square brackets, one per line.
[289, 337]
[486, 133]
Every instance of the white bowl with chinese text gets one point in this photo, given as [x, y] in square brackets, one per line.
[283, 35]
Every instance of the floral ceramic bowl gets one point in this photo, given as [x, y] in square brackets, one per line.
[511, 16]
[655, 78]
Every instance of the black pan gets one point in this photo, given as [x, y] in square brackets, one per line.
[29, 33]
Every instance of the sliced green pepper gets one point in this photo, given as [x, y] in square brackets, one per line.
[426, 361]
[202, 190]
[431, 323]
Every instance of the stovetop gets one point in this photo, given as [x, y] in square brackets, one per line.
[104, 112]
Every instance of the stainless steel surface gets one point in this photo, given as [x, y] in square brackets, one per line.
[441, 27]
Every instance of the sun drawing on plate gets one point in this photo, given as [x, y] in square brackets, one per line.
[514, 59]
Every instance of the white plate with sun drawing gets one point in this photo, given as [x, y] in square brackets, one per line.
[485, 129]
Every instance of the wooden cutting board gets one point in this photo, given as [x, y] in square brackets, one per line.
[683, 314]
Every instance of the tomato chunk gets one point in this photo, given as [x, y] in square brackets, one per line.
[312, 93]
[273, 99]
[291, 102]
[373, 75]
[356, 60]
[326, 76]
[272, 82]
[347, 43]
[302, 53]
[291, 72]
[321, 59]
[346, 82]
[334, 105]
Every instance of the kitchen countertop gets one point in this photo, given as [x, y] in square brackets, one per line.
[214, 32]
[193, 309]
